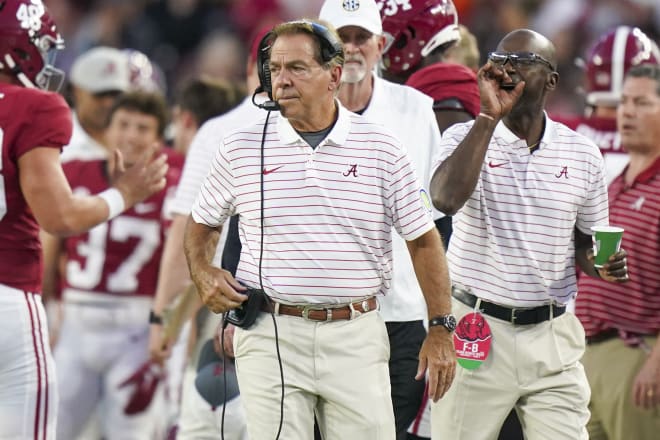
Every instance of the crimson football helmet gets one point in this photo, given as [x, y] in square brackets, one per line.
[28, 42]
[414, 28]
[610, 58]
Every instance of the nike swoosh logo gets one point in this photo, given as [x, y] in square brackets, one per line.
[496, 165]
[272, 170]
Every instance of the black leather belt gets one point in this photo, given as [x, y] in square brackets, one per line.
[516, 316]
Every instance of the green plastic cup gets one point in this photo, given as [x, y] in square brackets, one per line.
[607, 241]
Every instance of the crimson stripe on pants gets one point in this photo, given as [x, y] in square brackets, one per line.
[422, 409]
[36, 355]
[45, 369]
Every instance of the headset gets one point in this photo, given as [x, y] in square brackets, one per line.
[330, 48]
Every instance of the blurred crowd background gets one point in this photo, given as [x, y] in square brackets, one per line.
[189, 38]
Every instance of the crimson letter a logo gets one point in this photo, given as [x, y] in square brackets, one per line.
[352, 170]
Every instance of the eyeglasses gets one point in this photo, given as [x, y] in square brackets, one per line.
[518, 59]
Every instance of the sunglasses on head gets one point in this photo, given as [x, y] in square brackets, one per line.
[518, 59]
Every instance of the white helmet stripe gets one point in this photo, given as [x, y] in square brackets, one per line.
[20, 75]
[619, 58]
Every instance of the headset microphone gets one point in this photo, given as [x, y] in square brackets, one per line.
[269, 105]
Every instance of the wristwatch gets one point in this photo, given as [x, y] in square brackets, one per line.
[447, 321]
[155, 319]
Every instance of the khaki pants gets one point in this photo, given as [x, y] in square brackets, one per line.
[338, 370]
[611, 368]
[534, 368]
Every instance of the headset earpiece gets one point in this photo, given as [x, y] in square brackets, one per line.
[330, 46]
[263, 70]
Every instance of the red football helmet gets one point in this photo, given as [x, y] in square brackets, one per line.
[414, 28]
[611, 57]
[28, 38]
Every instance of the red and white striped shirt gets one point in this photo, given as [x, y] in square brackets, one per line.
[328, 212]
[632, 307]
[513, 239]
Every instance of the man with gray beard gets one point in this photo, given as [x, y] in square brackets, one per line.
[409, 114]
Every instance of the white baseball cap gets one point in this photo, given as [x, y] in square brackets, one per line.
[362, 13]
[101, 69]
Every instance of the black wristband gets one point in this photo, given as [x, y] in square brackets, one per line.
[155, 319]
[438, 320]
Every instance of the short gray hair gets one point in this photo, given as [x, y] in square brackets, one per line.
[650, 71]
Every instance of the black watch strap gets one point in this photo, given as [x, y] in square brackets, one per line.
[447, 321]
[155, 319]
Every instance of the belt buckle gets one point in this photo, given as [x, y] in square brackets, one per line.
[307, 309]
[355, 313]
[513, 316]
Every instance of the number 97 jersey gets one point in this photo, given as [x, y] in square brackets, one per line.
[121, 256]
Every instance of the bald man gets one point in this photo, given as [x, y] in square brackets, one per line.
[525, 192]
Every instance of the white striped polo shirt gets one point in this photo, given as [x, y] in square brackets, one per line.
[328, 212]
[513, 239]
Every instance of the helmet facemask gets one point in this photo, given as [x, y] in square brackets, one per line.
[29, 42]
